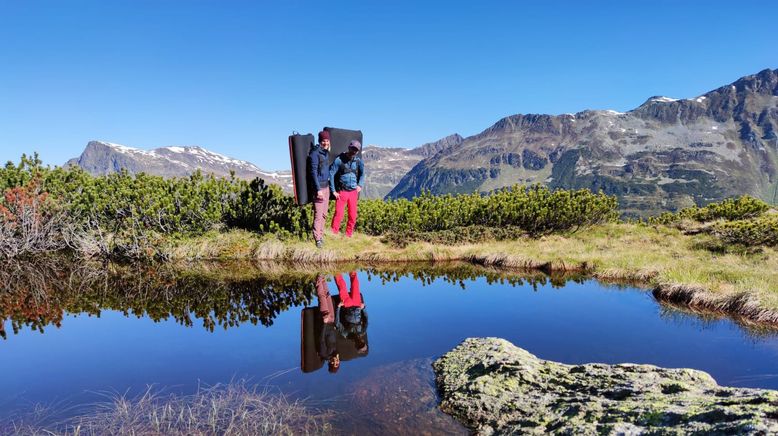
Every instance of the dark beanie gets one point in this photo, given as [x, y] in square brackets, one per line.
[323, 135]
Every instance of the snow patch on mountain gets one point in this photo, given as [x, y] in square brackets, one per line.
[104, 157]
[663, 99]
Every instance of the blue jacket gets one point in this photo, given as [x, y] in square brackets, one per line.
[318, 167]
[346, 174]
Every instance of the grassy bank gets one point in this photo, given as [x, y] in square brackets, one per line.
[680, 268]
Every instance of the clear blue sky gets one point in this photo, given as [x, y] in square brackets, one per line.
[238, 76]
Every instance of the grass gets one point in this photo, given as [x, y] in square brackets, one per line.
[226, 409]
[675, 265]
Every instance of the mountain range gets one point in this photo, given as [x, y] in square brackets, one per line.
[100, 158]
[663, 155]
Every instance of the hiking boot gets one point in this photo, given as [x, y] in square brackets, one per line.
[319, 243]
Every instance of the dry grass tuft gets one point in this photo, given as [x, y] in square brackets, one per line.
[741, 305]
[270, 250]
[231, 409]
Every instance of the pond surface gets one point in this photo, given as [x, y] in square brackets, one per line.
[70, 337]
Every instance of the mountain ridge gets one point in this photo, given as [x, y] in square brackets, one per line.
[102, 157]
[662, 155]
[387, 165]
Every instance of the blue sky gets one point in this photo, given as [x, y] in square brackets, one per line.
[238, 76]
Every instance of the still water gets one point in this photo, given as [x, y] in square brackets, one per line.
[72, 336]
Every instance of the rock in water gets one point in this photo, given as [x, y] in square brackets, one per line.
[492, 386]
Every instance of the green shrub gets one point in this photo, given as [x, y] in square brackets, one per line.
[265, 208]
[535, 210]
[761, 231]
[737, 208]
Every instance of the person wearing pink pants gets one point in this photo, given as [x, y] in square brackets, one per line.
[319, 177]
[347, 178]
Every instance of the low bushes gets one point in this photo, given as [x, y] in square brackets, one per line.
[737, 208]
[736, 223]
[534, 210]
[128, 215]
[761, 231]
[30, 222]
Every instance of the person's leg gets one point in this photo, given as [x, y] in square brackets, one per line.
[325, 300]
[320, 206]
[353, 198]
[337, 218]
[345, 298]
[356, 297]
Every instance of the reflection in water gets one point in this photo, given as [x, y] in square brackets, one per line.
[37, 295]
[337, 327]
[392, 389]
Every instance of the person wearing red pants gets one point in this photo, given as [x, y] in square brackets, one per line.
[347, 178]
[351, 315]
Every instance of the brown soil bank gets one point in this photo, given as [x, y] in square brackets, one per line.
[492, 386]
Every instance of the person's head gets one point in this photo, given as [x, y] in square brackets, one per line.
[333, 364]
[353, 148]
[324, 139]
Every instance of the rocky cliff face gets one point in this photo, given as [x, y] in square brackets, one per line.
[663, 155]
[384, 166]
[100, 158]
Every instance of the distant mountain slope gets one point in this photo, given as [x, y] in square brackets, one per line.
[101, 158]
[663, 155]
[385, 166]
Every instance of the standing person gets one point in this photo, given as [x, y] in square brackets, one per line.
[347, 178]
[319, 177]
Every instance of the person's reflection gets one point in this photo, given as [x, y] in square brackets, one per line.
[328, 340]
[336, 330]
[351, 317]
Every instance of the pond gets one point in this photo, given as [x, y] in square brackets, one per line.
[72, 335]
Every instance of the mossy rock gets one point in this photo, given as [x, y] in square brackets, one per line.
[492, 386]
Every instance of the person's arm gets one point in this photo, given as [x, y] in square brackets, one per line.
[333, 172]
[338, 326]
[361, 181]
[314, 170]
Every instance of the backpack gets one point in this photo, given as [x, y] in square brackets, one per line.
[346, 169]
[352, 315]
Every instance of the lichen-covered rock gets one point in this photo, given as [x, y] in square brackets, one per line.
[492, 386]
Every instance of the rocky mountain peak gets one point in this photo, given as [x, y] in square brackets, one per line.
[763, 82]
[103, 157]
[432, 148]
